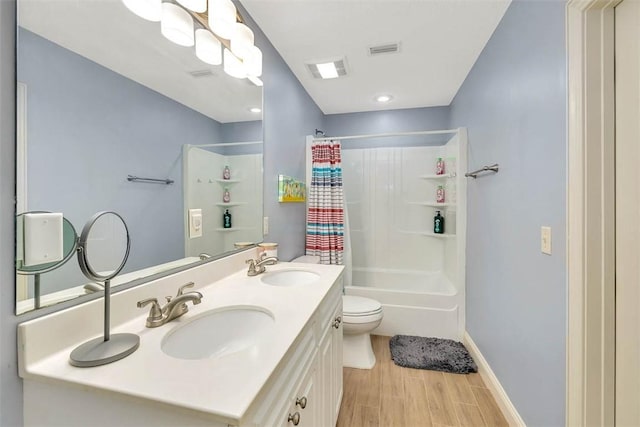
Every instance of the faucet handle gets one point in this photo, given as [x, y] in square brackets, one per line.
[183, 287]
[156, 312]
[252, 267]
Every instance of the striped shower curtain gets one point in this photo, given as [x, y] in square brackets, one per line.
[325, 219]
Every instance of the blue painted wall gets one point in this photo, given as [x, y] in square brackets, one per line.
[408, 120]
[514, 105]
[289, 115]
[102, 126]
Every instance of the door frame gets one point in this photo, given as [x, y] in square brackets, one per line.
[590, 369]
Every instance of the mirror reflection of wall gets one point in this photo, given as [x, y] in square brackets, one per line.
[110, 97]
[206, 189]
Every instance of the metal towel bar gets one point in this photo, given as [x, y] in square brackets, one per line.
[133, 178]
[474, 174]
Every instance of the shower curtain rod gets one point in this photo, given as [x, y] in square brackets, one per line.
[226, 144]
[380, 135]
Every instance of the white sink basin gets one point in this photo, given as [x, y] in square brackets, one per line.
[290, 277]
[219, 332]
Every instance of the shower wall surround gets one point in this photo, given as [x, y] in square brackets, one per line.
[391, 225]
[390, 192]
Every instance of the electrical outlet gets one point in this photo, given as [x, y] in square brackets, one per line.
[265, 225]
[545, 240]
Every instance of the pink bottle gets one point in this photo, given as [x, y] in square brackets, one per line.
[440, 166]
[440, 194]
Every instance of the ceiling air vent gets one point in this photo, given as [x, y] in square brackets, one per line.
[328, 69]
[384, 48]
[201, 73]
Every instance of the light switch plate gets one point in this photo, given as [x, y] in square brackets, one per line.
[265, 225]
[195, 223]
[545, 240]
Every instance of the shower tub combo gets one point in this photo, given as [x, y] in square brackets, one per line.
[390, 186]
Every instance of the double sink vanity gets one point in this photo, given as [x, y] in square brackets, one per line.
[259, 350]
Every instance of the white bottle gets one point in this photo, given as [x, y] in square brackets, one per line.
[226, 173]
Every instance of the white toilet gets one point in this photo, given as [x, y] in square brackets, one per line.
[360, 317]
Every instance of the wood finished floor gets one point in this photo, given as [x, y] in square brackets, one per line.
[390, 396]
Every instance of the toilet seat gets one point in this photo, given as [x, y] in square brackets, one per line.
[358, 310]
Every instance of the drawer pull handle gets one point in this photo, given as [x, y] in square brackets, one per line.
[295, 418]
[301, 402]
[336, 322]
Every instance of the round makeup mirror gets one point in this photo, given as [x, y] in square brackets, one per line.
[103, 249]
[104, 246]
[44, 241]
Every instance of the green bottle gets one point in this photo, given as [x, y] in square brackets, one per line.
[438, 223]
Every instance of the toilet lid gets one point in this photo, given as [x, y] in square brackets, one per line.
[354, 306]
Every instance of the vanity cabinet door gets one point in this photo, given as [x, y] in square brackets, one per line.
[330, 369]
[336, 366]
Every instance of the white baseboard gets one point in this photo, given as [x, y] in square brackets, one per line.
[491, 381]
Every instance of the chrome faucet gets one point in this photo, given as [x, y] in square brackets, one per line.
[204, 256]
[174, 308]
[258, 266]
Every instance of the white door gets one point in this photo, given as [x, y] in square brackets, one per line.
[627, 54]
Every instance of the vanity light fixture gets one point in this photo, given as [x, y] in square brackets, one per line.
[208, 47]
[234, 65]
[176, 24]
[256, 81]
[222, 18]
[218, 29]
[255, 110]
[151, 10]
[241, 41]
[253, 63]
[384, 98]
[194, 5]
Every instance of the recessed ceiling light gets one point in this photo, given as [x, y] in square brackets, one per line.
[255, 110]
[384, 98]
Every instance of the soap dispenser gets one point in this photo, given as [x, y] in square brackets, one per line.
[438, 223]
[226, 219]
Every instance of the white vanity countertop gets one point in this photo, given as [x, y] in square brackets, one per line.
[222, 388]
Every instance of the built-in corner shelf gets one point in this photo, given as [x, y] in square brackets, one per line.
[232, 229]
[229, 204]
[432, 204]
[228, 181]
[434, 176]
[429, 234]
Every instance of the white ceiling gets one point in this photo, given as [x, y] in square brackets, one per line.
[440, 42]
[106, 32]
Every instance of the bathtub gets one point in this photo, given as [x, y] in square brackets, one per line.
[413, 302]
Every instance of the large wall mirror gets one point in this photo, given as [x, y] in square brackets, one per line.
[103, 96]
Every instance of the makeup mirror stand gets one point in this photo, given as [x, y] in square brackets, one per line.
[108, 348]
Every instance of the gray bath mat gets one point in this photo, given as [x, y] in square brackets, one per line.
[436, 354]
